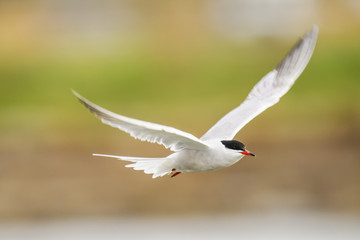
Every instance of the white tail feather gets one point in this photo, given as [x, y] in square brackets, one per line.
[148, 165]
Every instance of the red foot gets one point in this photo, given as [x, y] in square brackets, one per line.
[175, 174]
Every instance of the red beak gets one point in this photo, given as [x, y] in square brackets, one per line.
[246, 152]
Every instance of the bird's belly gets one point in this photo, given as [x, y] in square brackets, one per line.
[200, 161]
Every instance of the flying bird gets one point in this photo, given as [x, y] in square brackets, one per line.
[216, 148]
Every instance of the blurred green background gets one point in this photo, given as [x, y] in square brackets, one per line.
[183, 64]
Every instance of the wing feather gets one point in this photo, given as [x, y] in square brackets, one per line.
[146, 131]
[268, 90]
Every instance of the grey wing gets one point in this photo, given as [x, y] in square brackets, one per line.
[146, 131]
[268, 90]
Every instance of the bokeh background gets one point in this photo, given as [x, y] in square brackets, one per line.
[183, 64]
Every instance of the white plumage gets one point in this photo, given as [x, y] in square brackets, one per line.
[214, 149]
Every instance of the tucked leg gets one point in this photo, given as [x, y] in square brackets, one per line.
[175, 173]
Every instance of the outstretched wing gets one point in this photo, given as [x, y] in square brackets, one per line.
[268, 91]
[169, 137]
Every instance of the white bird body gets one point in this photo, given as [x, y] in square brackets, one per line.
[186, 160]
[216, 157]
[215, 149]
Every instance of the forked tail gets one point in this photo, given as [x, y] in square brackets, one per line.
[154, 166]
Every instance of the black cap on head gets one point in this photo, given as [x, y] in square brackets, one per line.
[233, 144]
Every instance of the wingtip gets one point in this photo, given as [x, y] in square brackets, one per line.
[314, 31]
[82, 100]
[315, 27]
[313, 35]
[76, 93]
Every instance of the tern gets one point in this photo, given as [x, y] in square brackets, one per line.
[216, 149]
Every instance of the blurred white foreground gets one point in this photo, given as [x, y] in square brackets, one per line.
[253, 226]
